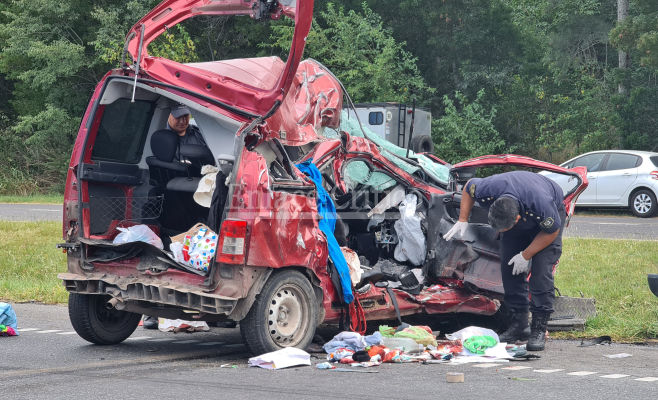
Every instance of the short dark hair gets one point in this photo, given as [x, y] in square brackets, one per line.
[503, 212]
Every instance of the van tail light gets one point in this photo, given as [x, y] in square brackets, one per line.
[654, 175]
[232, 237]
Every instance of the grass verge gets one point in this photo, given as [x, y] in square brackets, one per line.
[29, 262]
[614, 272]
[37, 198]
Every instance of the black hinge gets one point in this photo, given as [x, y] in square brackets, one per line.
[68, 246]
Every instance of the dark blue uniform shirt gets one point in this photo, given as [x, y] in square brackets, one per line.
[540, 199]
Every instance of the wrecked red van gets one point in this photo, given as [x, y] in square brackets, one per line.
[261, 119]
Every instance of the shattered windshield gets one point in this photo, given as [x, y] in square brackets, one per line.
[419, 164]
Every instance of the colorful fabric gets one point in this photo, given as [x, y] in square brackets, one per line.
[7, 331]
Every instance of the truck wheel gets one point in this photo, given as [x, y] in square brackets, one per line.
[643, 203]
[96, 324]
[422, 144]
[283, 315]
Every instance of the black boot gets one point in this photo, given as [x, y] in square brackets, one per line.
[538, 331]
[518, 329]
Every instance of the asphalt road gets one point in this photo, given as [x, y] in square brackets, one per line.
[585, 226]
[49, 361]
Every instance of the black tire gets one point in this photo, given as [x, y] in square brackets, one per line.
[96, 324]
[422, 144]
[284, 314]
[643, 203]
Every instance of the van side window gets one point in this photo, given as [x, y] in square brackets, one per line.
[376, 118]
[122, 131]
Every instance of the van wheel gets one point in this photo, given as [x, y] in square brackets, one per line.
[283, 315]
[422, 144]
[96, 324]
[643, 203]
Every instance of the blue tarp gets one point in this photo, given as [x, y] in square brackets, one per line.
[327, 211]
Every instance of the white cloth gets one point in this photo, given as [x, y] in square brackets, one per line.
[284, 358]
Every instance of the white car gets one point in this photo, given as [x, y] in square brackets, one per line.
[617, 178]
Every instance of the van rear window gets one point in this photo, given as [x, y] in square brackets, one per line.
[122, 131]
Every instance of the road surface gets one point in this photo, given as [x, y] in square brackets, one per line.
[49, 361]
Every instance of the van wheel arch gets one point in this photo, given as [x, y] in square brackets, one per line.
[284, 313]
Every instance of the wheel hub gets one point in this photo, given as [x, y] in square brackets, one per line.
[642, 203]
[287, 316]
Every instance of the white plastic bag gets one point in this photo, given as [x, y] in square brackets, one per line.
[138, 233]
[470, 331]
[353, 263]
[203, 194]
[411, 245]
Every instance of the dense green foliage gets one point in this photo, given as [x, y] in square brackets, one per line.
[533, 77]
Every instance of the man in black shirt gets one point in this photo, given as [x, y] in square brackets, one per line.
[179, 122]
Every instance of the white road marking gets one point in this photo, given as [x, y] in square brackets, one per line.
[43, 209]
[68, 333]
[139, 338]
[581, 373]
[547, 371]
[50, 331]
[187, 341]
[647, 379]
[614, 376]
[27, 329]
[516, 368]
[487, 365]
[210, 343]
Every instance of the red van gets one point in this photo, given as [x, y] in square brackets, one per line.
[261, 118]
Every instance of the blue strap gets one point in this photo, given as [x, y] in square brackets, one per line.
[327, 212]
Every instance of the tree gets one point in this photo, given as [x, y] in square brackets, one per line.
[466, 130]
[362, 53]
[51, 59]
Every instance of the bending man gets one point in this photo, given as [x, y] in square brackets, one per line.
[528, 210]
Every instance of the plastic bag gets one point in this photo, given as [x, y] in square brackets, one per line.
[138, 233]
[469, 331]
[478, 344]
[420, 334]
[411, 244]
[203, 193]
[353, 263]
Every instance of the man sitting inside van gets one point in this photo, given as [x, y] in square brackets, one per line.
[179, 122]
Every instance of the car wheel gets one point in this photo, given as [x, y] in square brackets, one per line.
[283, 315]
[96, 324]
[643, 203]
[422, 144]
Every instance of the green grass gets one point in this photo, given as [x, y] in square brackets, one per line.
[29, 262]
[614, 272]
[37, 198]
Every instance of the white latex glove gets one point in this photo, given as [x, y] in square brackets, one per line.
[457, 229]
[519, 264]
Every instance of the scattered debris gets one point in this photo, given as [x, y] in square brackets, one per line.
[8, 321]
[179, 325]
[620, 355]
[596, 341]
[455, 377]
[284, 358]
